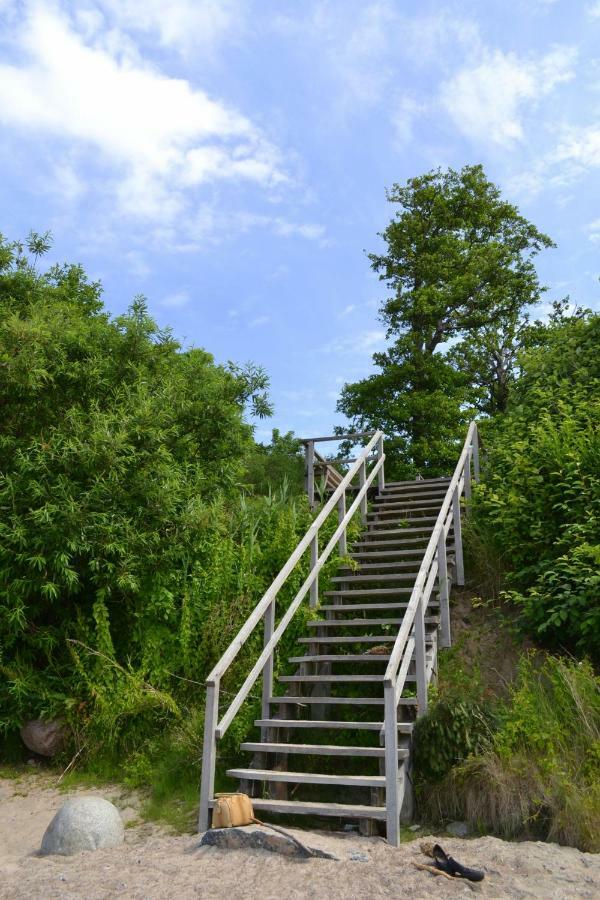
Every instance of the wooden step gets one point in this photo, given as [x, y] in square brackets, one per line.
[313, 808]
[386, 554]
[352, 639]
[403, 727]
[416, 482]
[375, 781]
[408, 506]
[362, 623]
[334, 679]
[369, 592]
[319, 750]
[341, 657]
[352, 607]
[365, 579]
[431, 493]
[409, 529]
[394, 541]
[337, 701]
[372, 567]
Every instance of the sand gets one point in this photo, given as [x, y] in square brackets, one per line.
[155, 864]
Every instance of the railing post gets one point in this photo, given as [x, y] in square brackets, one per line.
[420, 659]
[468, 482]
[314, 556]
[209, 754]
[458, 548]
[380, 474]
[362, 477]
[309, 455]
[267, 685]
[392, 793]
[445, 640]
[342, 543]
[475, 453]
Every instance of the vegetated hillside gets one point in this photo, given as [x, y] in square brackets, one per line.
[132, 541]
[522, 758]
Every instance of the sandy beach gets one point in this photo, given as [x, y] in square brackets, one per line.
[154, 864]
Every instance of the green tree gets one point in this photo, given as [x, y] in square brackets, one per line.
[459, 263]
[119, 452]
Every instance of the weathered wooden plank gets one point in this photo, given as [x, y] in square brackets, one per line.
[319, 750]
[308, 777]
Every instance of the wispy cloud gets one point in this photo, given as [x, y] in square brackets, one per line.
[258, 321]
[176, 300]
[185, 25]
[593, 231]
[359, 343]
[161, 136]
[486, 101]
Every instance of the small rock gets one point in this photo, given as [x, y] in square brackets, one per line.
[357, 856]
[458, 829]
[414, 827]
[44, 738]
[84, 823]
[257, 838]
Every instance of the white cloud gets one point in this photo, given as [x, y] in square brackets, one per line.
[246, 221]
[406, 111]
[160, 135]
[187, 25]
[176, 300]
[258, 321]
[580, 146]
[485, 101]
[593, 231]
[347, 310]
[593, 10]
[363, 342]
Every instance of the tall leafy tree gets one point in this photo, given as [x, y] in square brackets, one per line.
[459, 265]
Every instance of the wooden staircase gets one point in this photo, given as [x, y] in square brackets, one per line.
[335, 735]
[349, 646]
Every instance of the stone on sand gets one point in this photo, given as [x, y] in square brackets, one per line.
[84, 823]
[255, 837]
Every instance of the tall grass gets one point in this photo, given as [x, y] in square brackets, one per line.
[538, 775]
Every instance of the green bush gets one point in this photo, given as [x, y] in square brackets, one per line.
[537, 774]
[539, 504]
[130, 554]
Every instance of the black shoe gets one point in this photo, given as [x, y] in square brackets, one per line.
[445, 863]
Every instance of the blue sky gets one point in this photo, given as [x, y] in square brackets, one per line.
[229, 158]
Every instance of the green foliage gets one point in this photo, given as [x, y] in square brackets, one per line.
[459, 264]
[271, 466]
[539, 506]
[537, 775]
[129, 556]
[447, 735]
[458, 721]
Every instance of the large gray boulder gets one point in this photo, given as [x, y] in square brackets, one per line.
[84, 823]
[44, 738]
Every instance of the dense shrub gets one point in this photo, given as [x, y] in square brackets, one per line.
[537, 773]
[129, 553]
[539, 504]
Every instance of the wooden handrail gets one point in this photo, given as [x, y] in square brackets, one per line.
[215, 728]
[409, 616]
[256, 615]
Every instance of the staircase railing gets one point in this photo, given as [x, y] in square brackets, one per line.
[410, 641]
[217, 723]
